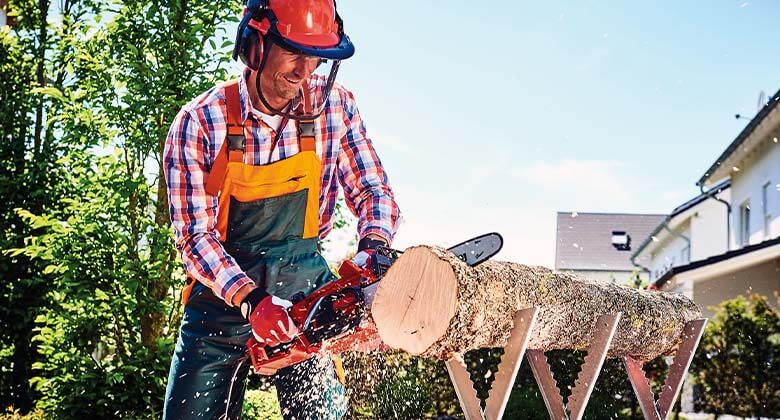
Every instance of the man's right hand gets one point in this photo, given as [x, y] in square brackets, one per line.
[268, 317]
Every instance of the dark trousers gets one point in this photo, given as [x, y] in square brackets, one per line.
[210, 365]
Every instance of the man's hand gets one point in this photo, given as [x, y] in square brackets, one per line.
[267, 314]
[366, 248]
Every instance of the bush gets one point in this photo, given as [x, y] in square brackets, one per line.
[396, 385]
[526, 403]
[261, 405]
[15, 414]
[401, 397]
[737, 366]
[612, 395]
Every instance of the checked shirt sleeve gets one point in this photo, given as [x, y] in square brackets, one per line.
[366, 189]
[194, 212]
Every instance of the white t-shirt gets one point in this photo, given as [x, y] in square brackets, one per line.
[273, 121]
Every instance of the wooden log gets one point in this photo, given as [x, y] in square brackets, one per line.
[430, 303]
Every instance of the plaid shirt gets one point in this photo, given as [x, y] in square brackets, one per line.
[345, 151]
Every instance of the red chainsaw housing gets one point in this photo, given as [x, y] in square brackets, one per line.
[264, 365]
[300, 349]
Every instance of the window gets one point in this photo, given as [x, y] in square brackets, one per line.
[765, 208]
[744, 223]
[621, 240]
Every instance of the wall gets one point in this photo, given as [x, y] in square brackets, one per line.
[619, 277]
[669, 252]
[704, 225]
[762, 167]
[708, 228]
[762, 279]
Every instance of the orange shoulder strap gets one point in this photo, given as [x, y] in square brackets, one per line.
[232, 149]
[306, 127]
[306, 135]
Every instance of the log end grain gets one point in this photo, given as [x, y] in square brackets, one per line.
[415, 301]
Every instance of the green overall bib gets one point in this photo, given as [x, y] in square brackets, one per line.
[268, 217]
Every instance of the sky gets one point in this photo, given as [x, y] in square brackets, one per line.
[496, 116]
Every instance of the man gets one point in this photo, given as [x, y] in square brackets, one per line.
[253, 168]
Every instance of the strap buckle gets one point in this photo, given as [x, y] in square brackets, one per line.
[236, 142]
[306, 128]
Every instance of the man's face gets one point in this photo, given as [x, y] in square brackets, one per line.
[283, 75]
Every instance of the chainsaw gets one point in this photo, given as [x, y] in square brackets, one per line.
[334, 316]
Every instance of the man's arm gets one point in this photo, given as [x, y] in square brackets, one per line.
[366, 189]
[194, 212]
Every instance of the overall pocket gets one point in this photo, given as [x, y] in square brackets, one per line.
[266, 220]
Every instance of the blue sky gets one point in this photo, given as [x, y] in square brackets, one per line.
[496, 115]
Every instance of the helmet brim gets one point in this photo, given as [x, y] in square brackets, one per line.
[328, 46]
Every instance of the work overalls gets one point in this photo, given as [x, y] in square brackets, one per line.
[268, 217]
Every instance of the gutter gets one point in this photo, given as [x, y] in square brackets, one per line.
[678, 210]
[714, 259]
[665, 226]
[636, 264]
[644, 244]
[728, 213]
[669, 274]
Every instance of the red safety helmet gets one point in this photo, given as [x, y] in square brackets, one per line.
[308, 27]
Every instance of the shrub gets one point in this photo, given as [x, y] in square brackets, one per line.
[737, 365]
[261, 405]
[401, 397]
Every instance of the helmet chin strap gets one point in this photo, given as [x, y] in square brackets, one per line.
[292, 105]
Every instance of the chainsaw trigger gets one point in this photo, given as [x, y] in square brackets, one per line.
[297, 297]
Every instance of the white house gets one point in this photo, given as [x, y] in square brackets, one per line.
[726, 242]
[672, 244]
[3, 18]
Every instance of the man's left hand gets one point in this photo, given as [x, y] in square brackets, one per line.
[366, 248]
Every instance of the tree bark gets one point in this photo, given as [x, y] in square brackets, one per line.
[432, 304]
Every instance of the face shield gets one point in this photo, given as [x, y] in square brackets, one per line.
[294, 84]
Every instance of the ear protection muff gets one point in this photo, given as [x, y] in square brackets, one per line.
[251, 48]
[250, 42]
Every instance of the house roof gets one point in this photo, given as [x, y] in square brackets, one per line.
[701, 197]
[584, 240]
[715, 259]
[773, 103]
[682, 208]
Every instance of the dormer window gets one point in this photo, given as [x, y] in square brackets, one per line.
[621, 240]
